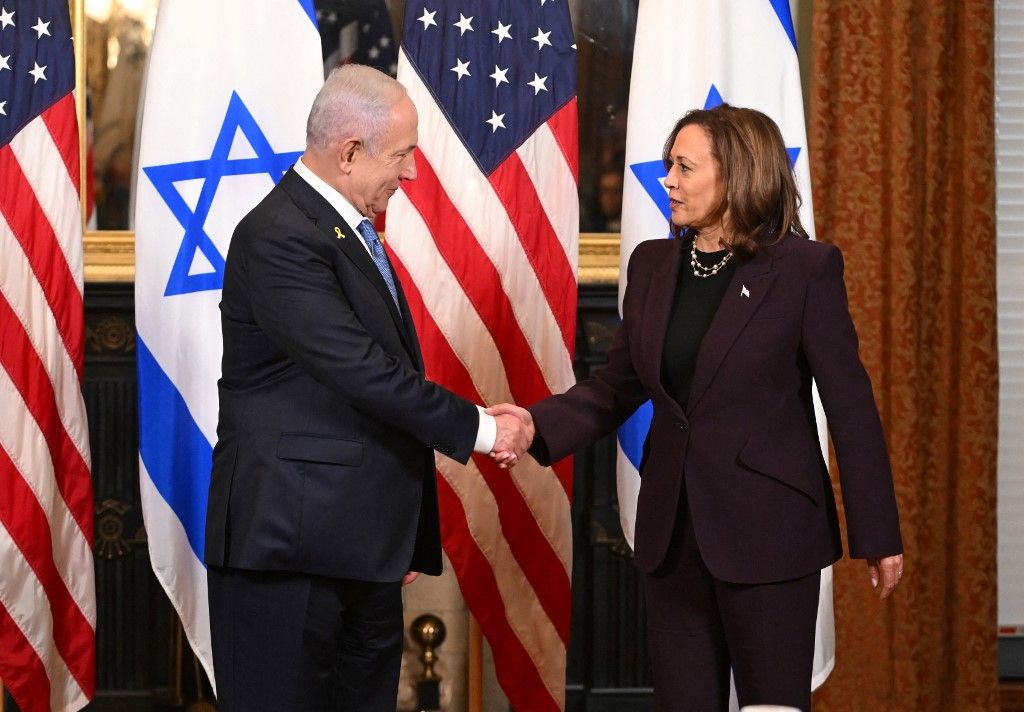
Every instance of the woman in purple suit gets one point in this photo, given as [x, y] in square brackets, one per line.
[723, 329]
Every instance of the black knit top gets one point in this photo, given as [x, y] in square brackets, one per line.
[694, 305]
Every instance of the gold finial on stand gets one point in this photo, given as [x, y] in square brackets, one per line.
[429, 632]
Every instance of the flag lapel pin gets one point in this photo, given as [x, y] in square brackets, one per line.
[744, 292]
[339, 233]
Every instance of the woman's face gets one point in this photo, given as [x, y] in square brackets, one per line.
[695, 187]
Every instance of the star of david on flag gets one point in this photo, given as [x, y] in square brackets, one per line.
[210, 171]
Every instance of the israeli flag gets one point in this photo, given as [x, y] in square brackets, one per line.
[693, 54]
[228, 88]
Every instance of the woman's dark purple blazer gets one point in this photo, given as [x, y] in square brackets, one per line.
[758, 489]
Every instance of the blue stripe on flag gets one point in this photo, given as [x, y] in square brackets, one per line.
[781, 8]
[177, 455]
[307, 7]
[633, 432]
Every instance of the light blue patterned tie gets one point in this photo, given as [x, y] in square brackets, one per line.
[379, 258]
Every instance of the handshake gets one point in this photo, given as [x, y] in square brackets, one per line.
[514, 435]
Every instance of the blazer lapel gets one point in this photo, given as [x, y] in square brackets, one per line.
[657, 306]
[326, 219]
[750, 283]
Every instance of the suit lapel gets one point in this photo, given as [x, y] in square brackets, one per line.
[657, 306]
[750, 283]
[327, 221]
[411, 340]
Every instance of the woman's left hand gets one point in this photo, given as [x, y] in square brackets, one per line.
[887, 572]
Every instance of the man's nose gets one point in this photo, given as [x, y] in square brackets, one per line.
[409, 169]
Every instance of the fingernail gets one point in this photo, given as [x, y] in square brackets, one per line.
[874, 582]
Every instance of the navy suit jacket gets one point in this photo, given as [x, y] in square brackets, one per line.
[324, 460]
[746, 444]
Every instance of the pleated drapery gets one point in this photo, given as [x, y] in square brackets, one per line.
[901, 137]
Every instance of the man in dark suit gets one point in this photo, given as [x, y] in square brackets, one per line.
[323, 501]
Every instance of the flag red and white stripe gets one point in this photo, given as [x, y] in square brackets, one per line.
[489, 266]
[47, 593]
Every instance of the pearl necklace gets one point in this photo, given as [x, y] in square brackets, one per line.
[703, 271]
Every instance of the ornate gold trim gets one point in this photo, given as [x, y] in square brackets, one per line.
[599, 258]
[110, 257]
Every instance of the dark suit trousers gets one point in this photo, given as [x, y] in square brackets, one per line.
[700, 627]
[293, 642]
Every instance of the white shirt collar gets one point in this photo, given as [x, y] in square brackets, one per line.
[339, 202]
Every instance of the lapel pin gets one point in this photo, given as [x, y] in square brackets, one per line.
[339, 233]
[744, 292]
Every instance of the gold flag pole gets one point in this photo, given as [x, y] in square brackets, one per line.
[476, 667]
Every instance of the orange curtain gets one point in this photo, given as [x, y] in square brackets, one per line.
[902, 160]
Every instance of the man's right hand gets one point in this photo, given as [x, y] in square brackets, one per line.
[515, 433]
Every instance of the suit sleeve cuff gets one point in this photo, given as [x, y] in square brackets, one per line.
[486, 432]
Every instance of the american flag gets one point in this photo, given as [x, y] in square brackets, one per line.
[47, 595]
[485, 241]
[357, 31]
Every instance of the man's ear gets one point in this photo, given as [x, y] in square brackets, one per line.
[347, 153]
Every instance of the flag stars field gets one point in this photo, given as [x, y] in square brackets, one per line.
[6, 18]
[41, 28]
[461, 68]
[474, 39]
[497, 121]
[500, 75]
[428, 18]
[465, 24]
[502, 32]
[38, 72]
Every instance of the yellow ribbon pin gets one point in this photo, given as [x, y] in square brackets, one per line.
[339, 233]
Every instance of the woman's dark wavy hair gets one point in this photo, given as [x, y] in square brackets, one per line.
[760, 190]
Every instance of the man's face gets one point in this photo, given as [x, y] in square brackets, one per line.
[376, 177]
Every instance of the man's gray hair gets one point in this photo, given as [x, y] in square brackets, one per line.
[356, 100]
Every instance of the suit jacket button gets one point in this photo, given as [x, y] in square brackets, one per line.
[683, 426]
